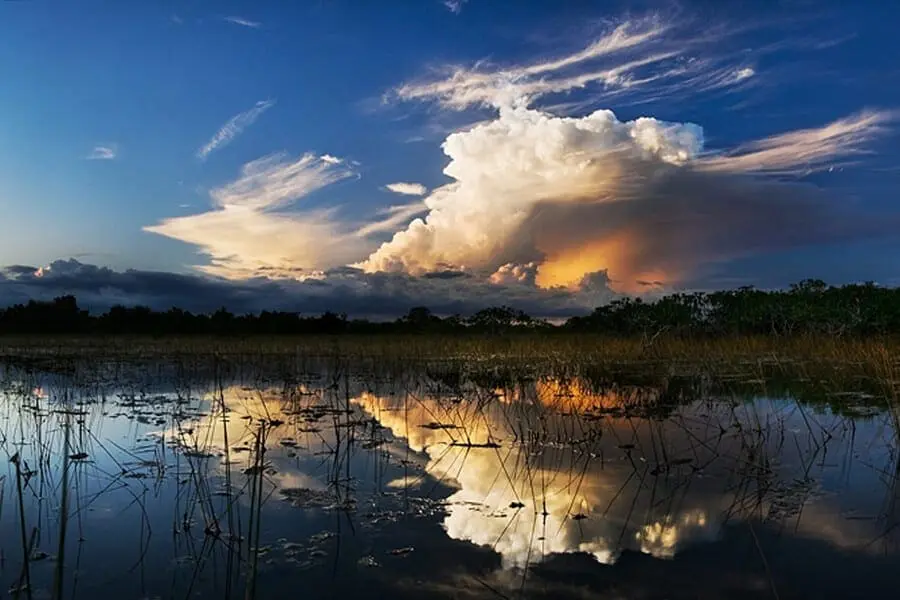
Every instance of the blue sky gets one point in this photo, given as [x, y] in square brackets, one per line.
[109, 106]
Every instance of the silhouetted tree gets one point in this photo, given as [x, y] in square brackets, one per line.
[807, 307]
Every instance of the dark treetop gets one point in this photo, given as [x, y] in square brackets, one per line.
[809, 307]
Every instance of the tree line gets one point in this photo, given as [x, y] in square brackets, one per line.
[63, 316]
[808, 307]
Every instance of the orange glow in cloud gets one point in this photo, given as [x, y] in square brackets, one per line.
[576, 396]
[615, 253]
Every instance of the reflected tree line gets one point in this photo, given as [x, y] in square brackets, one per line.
[808, 307]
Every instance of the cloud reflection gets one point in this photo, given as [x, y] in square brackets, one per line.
[530, 500]
[545, 467]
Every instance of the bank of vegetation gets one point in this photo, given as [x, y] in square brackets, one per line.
[851, 326]
[807, 308]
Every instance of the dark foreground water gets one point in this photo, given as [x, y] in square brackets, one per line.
[146, 483]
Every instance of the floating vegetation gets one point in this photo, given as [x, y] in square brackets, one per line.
[307, 498]
[248, 477]
[368, 561]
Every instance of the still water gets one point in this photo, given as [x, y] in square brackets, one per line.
[150, 483]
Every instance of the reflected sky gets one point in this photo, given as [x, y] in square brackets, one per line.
[568, 470]
[179, 490]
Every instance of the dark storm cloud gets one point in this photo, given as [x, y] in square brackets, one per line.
[374, 295]
[16, 271]
[685, 220]
[448, 274]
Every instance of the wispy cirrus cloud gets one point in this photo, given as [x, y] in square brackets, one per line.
[637, 56]
[243, 22]
[455, 6]
[459, 87]
[344, 289]
[392, 217]
[234, 127]
[103, 152]
[805, 150]
[249, 232]
[407, 188]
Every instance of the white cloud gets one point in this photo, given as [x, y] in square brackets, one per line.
[249, 234]
[234, 127]
[274, 181]
[626, 35]
[512, 273]
[394, 216]
[505, 168]
[243, 22]
[627, 58]
[745, 73]
[640, 198]
[455, 6]
[804, 150]
[103, 152]
[409, 189]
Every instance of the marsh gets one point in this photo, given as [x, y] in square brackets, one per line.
[235, 476]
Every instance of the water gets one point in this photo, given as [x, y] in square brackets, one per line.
[155, 483]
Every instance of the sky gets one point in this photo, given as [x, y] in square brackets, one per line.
[370, 157]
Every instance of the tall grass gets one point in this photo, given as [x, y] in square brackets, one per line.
[517, 345]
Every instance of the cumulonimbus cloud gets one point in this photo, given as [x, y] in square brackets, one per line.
[547, 198]
[643, 199]
[234, 127]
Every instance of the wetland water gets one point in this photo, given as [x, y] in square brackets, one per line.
[161, 481]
